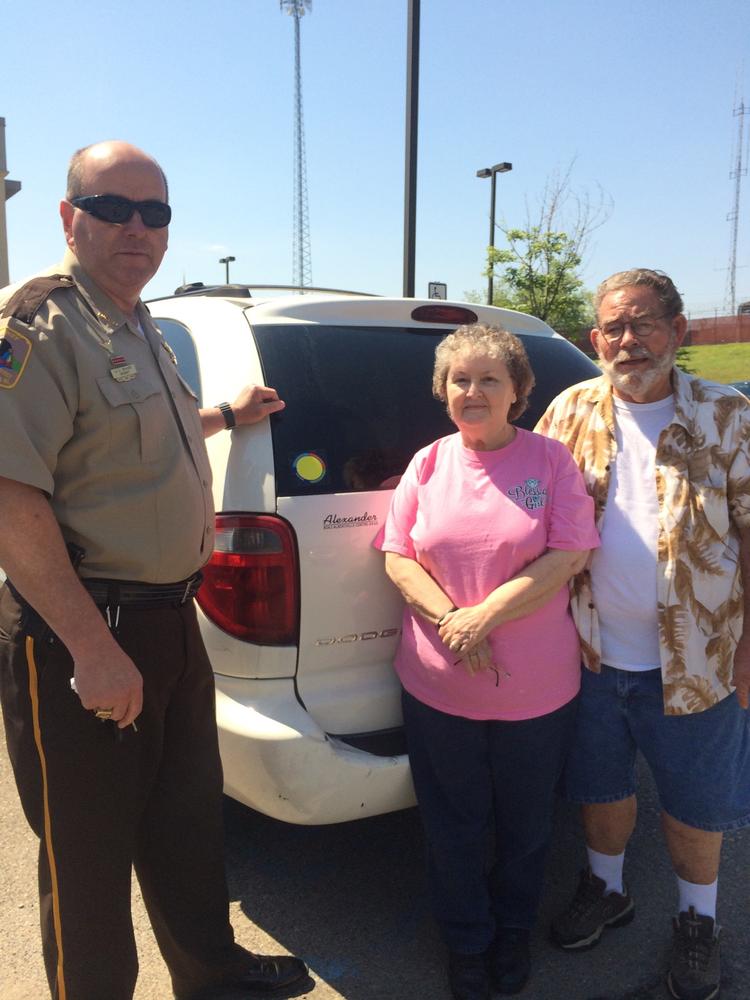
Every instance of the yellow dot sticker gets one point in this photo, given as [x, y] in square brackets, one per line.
[310, 468]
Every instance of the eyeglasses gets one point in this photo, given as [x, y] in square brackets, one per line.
[116, 209]
[640, 328]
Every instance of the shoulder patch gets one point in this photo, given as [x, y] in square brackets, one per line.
[21, 308]
[15, 349]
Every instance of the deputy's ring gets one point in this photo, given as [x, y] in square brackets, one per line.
[103, 713]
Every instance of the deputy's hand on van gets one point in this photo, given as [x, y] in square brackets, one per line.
[256, 402]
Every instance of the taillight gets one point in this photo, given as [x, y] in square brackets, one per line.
[250, 586]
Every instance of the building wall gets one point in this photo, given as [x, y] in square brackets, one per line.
[718, 330]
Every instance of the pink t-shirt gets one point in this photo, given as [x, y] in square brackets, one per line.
[474, 519]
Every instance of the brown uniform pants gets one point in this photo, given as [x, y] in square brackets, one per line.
[103, 801]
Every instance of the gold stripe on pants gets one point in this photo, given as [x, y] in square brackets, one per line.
[34, 695]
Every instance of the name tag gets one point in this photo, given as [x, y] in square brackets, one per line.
[124, 373]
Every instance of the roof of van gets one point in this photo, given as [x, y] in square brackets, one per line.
[339, 308]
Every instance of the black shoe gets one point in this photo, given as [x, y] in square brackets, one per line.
[510, 960]
[269, 974]
[468, 977]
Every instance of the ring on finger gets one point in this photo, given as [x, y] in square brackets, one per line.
[103, 713]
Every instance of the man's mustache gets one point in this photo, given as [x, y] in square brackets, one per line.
[637, 354]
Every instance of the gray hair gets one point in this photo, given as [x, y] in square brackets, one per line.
[670, 298]
[496, 343]
[74, 184]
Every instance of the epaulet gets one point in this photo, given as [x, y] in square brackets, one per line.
[26, 302]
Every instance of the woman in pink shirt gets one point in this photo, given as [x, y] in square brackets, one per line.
[485, 529]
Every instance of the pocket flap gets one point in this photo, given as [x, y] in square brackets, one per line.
[118, 393]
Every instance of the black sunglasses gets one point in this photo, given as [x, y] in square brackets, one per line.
[117, 209]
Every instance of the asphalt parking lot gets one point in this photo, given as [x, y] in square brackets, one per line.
[351, 900]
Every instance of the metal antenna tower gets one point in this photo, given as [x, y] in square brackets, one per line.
[734, 216]
[301, 262]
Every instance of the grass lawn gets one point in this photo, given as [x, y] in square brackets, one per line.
[718, 362]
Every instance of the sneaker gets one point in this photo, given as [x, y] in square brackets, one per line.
[590, 911]
[695, 966]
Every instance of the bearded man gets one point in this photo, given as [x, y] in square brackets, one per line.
[664, 618]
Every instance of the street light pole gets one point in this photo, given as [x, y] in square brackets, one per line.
[410, 154]
[492, 172]
[226, 261]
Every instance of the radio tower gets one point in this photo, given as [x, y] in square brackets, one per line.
[734, 216]
[301, 264]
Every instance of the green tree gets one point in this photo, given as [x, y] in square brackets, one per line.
[541, 277]
[539, 270]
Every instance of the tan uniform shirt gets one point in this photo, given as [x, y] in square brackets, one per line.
[122, 459]
[702, 482]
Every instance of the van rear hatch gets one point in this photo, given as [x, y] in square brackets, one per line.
[359, 404]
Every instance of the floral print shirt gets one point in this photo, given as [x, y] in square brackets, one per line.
[702, 478]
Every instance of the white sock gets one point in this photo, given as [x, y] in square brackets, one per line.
[701, 897]
[607, 867]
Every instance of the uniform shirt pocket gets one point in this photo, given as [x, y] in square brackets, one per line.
[140, 419]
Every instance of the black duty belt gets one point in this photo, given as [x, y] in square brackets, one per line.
[117, 593]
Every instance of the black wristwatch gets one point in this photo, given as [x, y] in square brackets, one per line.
[228, 413]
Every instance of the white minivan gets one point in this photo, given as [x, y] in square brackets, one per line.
[299, 619]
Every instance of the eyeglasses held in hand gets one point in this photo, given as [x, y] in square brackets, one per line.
[116, 209]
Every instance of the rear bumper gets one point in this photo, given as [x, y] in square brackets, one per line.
[278, 761]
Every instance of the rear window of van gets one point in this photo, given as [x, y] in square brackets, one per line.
[359, 400]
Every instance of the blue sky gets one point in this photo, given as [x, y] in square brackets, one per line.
[639, 95]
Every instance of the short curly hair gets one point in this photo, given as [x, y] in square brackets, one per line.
[495, 343]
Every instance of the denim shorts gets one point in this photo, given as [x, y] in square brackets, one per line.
[700, 762]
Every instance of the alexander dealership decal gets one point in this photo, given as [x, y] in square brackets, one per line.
[365, 520]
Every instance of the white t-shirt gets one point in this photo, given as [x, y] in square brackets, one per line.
[623, 570]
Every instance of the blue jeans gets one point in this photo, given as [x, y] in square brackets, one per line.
[700, 762]
[471, 775]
